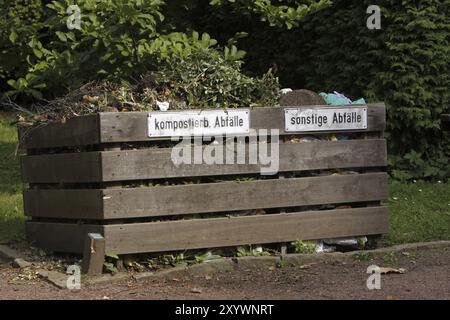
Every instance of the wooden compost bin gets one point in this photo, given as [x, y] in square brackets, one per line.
[82, 177]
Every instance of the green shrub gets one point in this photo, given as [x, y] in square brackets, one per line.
[207, 79]
[405, 64]
[19, 21]
[305, 247]
[117, 40]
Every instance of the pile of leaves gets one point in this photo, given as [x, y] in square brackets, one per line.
[205, 79]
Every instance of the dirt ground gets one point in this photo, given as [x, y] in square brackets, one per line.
[427, 276]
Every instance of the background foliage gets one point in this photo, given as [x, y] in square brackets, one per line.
[405, 64]
[306, 43]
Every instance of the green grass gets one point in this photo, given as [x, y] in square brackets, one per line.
[11, 208]
[418, 211]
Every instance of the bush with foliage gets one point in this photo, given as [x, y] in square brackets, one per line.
[117, 40]
[304, 247]
[20, 20]
[406, 64]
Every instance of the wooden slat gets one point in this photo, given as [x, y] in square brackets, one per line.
[78, 131]
[209, 233]
[59, 168]
[132, 126]
[64, 203]
[60, 237]
[157, 163]
[203, 198]
[153, 164]
[221, 232]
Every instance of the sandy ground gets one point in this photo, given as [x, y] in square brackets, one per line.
[427, 276]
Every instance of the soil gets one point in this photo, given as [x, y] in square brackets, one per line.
[427, 276]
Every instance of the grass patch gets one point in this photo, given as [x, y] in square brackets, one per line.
[11, 207]
[418, 211]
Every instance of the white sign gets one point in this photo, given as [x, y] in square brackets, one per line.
[198, 123]
[325, 119]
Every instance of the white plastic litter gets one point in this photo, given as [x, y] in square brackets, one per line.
[323, 248]
[286, 90]
[346, 241]
[163, 105]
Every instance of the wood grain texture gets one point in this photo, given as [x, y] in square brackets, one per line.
[78, 131]
[154, 164]
[122, 203]
[221, 232]
[94, 254]
[60, 168]
[132, 126]
[109, 166]
[211, 233]
[64, 203]
[60, 237]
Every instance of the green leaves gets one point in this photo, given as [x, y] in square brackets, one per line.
[29, 85]
[13, 36]
[287, 15]
[233, 53]
[61, 36]
[305, 247]
[209, 79]
[406, 64]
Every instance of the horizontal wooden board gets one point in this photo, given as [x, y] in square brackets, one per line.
[211, 233]
[204, 198]
[132, 127]
[123, 127]
[78, 131]
[221, 232]
[60, 168]
[64, 203]
[142, 164]
[60, 237]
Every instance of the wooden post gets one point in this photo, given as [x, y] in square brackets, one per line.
[373, 241]
[283, 246]
[94, 254]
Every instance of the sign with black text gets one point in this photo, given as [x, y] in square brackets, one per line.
[325, 119]
[198, 123]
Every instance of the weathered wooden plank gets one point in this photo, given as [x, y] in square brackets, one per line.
[153, 164]
[64, 203]
[132, 126]
[78, 131]
[209, 233]
[59, 168]
[221, 232]
[124, 203]
[60, 237]
[233, 196]
[94, 254]
[142, 164]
